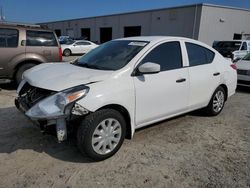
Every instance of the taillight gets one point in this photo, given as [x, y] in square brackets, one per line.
[234, 66]
[60, 54]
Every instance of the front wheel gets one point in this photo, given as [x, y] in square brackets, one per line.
[217, 102]
[101, 134]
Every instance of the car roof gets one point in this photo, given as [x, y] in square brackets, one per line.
[155, 38]
[82, 41]
[23, 27]
[232, 41]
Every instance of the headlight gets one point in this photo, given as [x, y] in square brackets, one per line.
[20, 86]
[55, 106]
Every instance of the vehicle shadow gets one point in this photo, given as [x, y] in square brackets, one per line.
[242, 89]
[18, 133]
[9, 86]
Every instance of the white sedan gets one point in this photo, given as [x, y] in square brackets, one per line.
[77, 47]
[123, 85]
[243, 67]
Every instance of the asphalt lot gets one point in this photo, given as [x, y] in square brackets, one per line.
[188, 151]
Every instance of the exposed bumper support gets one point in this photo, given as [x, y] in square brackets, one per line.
[61, 130]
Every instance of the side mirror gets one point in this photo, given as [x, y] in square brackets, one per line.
[148, 68]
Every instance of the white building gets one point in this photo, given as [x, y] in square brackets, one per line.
[204, 22]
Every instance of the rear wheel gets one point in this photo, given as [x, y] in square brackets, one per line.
[20, 71]
[101, 134]
[217, 102]
[67, 52]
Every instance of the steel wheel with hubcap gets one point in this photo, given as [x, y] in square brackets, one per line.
[106, 136]
[101, 134]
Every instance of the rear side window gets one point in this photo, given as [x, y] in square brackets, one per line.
[167, 55]
[83, 43]
[40, 38]
[8, 38]
[199, 55]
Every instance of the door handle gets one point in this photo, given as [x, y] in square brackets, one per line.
[181, 80]
[216, 74]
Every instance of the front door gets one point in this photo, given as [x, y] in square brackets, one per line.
[165, 93]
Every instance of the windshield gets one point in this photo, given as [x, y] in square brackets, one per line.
[232, 45]
[112, 55]
[247, 57]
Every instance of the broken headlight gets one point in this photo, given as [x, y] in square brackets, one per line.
[55, 106]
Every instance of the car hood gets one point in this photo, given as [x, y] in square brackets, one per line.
[60, 76]
[243, 65]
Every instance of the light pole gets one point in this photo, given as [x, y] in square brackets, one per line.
[2, 18]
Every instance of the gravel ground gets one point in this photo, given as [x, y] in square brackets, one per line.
[70, 58]
[188, 151]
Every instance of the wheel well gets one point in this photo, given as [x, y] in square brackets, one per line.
[225, 88]
[23, 63]
[125, 114]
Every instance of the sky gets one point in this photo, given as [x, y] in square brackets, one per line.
[37, 11]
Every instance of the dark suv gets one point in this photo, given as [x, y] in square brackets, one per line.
[23, 46]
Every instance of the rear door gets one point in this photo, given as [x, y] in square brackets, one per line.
[43, 43]
[82, 47]
[9, 49]
[165, 93]
[203, 74]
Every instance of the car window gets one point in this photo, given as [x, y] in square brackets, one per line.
[8, 38]
[40, 38]
[112, 55]
[199, 55]
[82, 43]
[167, 55]
[244, 46]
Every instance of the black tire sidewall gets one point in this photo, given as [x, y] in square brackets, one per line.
[85, 142]
[21, 70]
[66, 52]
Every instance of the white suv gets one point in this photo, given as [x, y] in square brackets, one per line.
[123, 85]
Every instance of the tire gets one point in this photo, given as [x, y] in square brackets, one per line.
[20, 71]
[216, 103]
[89, 139]
[67, 52]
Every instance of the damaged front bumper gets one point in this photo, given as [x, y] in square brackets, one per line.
[60, 122]
[46, 107]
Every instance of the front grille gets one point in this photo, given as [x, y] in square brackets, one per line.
[30, 95]
[243, 72]
[244, 82]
